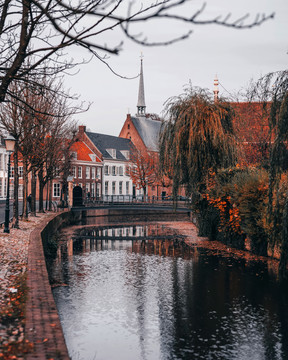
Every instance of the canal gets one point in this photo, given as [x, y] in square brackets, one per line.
[139, 292]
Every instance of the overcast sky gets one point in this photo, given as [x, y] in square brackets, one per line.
[236, 56]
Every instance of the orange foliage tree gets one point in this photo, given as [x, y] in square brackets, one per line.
[143, 168]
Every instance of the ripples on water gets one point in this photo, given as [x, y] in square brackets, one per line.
[126, 301]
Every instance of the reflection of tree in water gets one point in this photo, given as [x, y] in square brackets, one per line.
[181, 301]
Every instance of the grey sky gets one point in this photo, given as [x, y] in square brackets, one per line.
[235, 56]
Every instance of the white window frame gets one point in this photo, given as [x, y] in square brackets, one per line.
[93, 173]
[87, 172]
[56, 190]
[20, 171]
[79, 172]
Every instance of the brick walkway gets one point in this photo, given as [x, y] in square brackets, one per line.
[42, 322]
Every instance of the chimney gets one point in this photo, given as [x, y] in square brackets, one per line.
[82, 129]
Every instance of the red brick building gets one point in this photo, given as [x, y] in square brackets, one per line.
[143, 130]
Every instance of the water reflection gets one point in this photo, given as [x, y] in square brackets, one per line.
[158, 299]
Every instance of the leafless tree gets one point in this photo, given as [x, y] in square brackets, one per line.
[31, 119]
[36, 34]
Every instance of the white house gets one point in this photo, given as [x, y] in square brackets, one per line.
[116, 182]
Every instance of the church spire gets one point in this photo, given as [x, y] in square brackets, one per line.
[141, 107]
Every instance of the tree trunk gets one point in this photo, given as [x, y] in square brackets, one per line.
[41, 189]
[50, 195]
[283, 271]
[33, 193]
[25, 190]
[16, 186]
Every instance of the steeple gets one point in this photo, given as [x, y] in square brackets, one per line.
[141, 107]
[216, 89]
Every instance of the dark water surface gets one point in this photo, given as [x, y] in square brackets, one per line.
[156, 299]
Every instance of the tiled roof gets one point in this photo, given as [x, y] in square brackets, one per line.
[104, 142]
[82, 151]
[149, 131]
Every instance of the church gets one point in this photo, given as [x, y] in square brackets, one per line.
[143, 130]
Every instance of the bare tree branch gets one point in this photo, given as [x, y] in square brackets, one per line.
[35, 33]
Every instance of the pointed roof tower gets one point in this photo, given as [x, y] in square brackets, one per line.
[216, 89]
[141, 107]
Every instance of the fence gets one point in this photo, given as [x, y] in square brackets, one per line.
[139, 199]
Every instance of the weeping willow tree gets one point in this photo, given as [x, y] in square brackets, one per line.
[273, 89]
[197, 138]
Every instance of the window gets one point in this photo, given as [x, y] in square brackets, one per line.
[120, 187]
[106, 187]
[93, 190]
[20, 191]
[128, 126]
[121, 170]
[113, 170]
[93, 157]
[127, 171]
[112, 152]
[87, 188]
[20, 171]
[5, 162]
[74, 155]
[93, 173]
[74, 171]
[87, 172]
[106, 170]
[57, 172]
[127, 187]
[56, 190]
[79, 172]
[126, 154]
[12, 172]
[113, 187]
[98, 172]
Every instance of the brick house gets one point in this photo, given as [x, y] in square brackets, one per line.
[86, 170]
[114, 153]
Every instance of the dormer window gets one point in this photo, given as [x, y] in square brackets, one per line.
[93, 157]
[126, 154]
[112, 152]
[74, 155]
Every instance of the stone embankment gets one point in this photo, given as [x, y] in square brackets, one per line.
[35, 333]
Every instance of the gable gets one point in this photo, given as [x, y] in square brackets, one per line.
[83, 151]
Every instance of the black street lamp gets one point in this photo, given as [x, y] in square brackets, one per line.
[10, 144]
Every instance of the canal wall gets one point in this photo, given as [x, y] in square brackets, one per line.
[43, 327]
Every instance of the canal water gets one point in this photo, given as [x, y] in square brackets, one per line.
[137, 292]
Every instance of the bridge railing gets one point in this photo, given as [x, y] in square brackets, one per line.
[139, 199]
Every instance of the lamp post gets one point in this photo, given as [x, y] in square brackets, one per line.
[10, 144]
